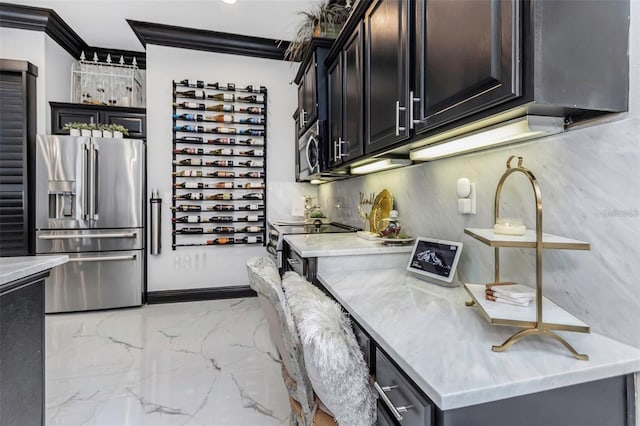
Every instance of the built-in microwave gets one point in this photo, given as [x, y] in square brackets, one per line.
[309, 155]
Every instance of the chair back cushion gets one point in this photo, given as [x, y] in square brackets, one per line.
[333, 360]
[265, 280]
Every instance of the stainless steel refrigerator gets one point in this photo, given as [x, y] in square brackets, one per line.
[90, 205]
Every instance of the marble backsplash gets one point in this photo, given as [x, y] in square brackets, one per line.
[589, 181]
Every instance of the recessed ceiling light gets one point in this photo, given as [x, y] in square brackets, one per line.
[229, 1]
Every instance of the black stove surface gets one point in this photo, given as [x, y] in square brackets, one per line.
[324, 228]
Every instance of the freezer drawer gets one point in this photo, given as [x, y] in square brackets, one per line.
[68, 241]
[96, 281]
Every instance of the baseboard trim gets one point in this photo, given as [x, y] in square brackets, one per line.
[198, 294]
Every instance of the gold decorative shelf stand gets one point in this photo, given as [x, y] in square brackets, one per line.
[531, 324]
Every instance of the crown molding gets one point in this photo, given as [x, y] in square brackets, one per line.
[211, 41]
[48, 21]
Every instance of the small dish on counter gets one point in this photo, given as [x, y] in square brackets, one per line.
[396, 241]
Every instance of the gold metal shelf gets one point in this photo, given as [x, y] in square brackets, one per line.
[528, 240]
[535, 239]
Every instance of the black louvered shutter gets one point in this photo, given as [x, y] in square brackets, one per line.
[15, 128]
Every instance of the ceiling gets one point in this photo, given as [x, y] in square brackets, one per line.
[102, 23]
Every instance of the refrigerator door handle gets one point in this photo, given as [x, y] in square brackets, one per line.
[71, 236]
[86, 212]
[101, 258]
[93, 178]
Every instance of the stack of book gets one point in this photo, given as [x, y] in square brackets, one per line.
[510, 293]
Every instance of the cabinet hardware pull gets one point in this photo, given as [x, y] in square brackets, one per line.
[340, 142]
[398, 127]
[413, 100]
[302, 119]
[394, 410]
[335, 151]
[293, 261]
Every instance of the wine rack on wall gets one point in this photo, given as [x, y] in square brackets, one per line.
[219, 164]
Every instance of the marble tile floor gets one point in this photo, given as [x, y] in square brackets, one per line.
[197, 363]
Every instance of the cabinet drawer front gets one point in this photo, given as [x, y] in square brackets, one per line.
[383, 418]
[402, 394]
[364, 342]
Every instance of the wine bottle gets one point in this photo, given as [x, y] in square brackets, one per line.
[191, 230]
[221, 108]
[221, 219]
[198, 151]
[253, 99]
[226, 196]
[187, 219]
[251, 163]
[225, 97]
[251, 185]
[188, 208]
[188, 117]
[251, 120]
[225, 130]
[251, 239]
[221, 174]
[252, 153]
[256, 88]
[224, 151]
[220, 163]
[252, 175]
[190, 139]
[253, 228]
[189, 162]
[224, 229]
[251, 218]
[251, 141]
[189, 105]
[189, 185]
[252, 207]
[223, 185]
[253, 196]
[222, 207]
[221, 241]
[252, 132]
[188, 173]
[189, 128]
[222, 141]
[192, 83]
[251, 110]
[195, 94]
[223, 118]
[189, 196]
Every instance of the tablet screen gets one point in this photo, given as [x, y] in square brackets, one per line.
[436, 259]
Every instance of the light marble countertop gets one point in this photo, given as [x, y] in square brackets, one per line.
[345, 244]
[445, 347]
[14, 268]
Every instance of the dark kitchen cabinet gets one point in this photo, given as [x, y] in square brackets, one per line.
[346, 107]
[459, 73]
[312, 84]
[17, 150]
[386, 74]
[133, 119]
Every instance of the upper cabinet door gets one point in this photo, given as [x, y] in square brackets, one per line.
[467, 58]
[309, 103]
[386, 74]
[335, 93]
[352, 97]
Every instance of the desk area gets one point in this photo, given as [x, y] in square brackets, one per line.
[444, 348]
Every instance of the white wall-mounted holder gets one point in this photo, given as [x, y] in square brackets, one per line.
[466, 196]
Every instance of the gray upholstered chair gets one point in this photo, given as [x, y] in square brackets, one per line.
[333, 359]
[265, 280]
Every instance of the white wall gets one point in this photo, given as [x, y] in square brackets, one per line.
[29, 46]
[54, 67]
[58, 76]
[198, 267]
[589, 178]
